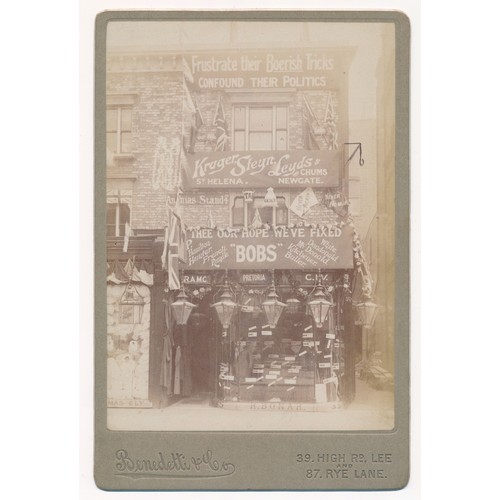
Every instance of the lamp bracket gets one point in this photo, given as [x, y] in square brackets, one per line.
[358, 148]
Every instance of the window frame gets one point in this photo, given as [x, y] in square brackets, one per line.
[275, 128]
[247, 214]
[119, 130]
[117, 224]
[120, 103]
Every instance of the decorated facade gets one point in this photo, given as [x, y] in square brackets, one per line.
[235, 269]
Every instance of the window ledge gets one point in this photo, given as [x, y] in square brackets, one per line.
[124, 156]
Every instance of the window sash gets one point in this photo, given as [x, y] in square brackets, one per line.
[260, 128]
[242, 213]
[117, 216]
[119, 130]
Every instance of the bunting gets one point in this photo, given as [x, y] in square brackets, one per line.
[221, 137]
[119, 273]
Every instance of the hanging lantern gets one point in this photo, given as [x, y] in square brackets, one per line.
[273, 307]
[225, 307]
[293, 305]
[319, 306]
[131, 305]
[367, 312]
[182, 308]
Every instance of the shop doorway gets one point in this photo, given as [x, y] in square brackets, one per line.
[197, 368]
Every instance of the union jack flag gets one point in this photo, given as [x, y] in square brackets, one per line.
[308, 119]
[174, 230]
[221, 137]
[331, 124]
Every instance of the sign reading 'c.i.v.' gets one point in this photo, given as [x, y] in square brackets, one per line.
[299, 168]
[277, 248]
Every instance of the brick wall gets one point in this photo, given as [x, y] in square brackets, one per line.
[159, 115]
[156, 115]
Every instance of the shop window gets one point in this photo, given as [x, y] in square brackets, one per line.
[243, 212]
[260, 128]
[355, 196]
[117, 216]
[238, 212]
[119, 129]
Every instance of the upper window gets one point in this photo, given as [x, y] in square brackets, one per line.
[118, 202]
[243, 213]
[260, 128]
[117, 216]
[119, 130]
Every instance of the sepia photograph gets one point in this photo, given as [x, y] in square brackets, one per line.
[250, 225]
[252, 250]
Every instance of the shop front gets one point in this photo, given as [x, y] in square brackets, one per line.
[251, 327]
[242, 195]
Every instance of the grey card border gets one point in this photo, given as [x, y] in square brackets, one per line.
[253, 469]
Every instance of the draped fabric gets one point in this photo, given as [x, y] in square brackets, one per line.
[182, 372]
[119, 272]
[183, 383]
[177, 373]
[167, 365]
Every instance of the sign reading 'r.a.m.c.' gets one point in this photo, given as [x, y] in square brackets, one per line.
[295, 168]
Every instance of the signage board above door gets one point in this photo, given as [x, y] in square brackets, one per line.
[273, 248]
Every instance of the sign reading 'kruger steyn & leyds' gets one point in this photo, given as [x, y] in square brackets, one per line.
[295, 168]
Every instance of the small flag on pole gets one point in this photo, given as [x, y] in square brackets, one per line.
[173, 252]
[257, 221]
[210, 220]
[221, 137]
[304, 202]
[128, 233]
[196, 123]
[308, 118]
[165, 244]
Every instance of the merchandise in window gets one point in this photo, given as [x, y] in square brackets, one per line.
[244, 213]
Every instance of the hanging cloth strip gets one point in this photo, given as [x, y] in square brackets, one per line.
[119, 273]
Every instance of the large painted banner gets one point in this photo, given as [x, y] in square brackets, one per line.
[272, 69]
[296, 168]
[277, 248]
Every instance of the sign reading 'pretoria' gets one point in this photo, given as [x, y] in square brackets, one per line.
[296, 168]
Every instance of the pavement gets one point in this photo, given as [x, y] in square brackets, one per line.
[371, 410]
